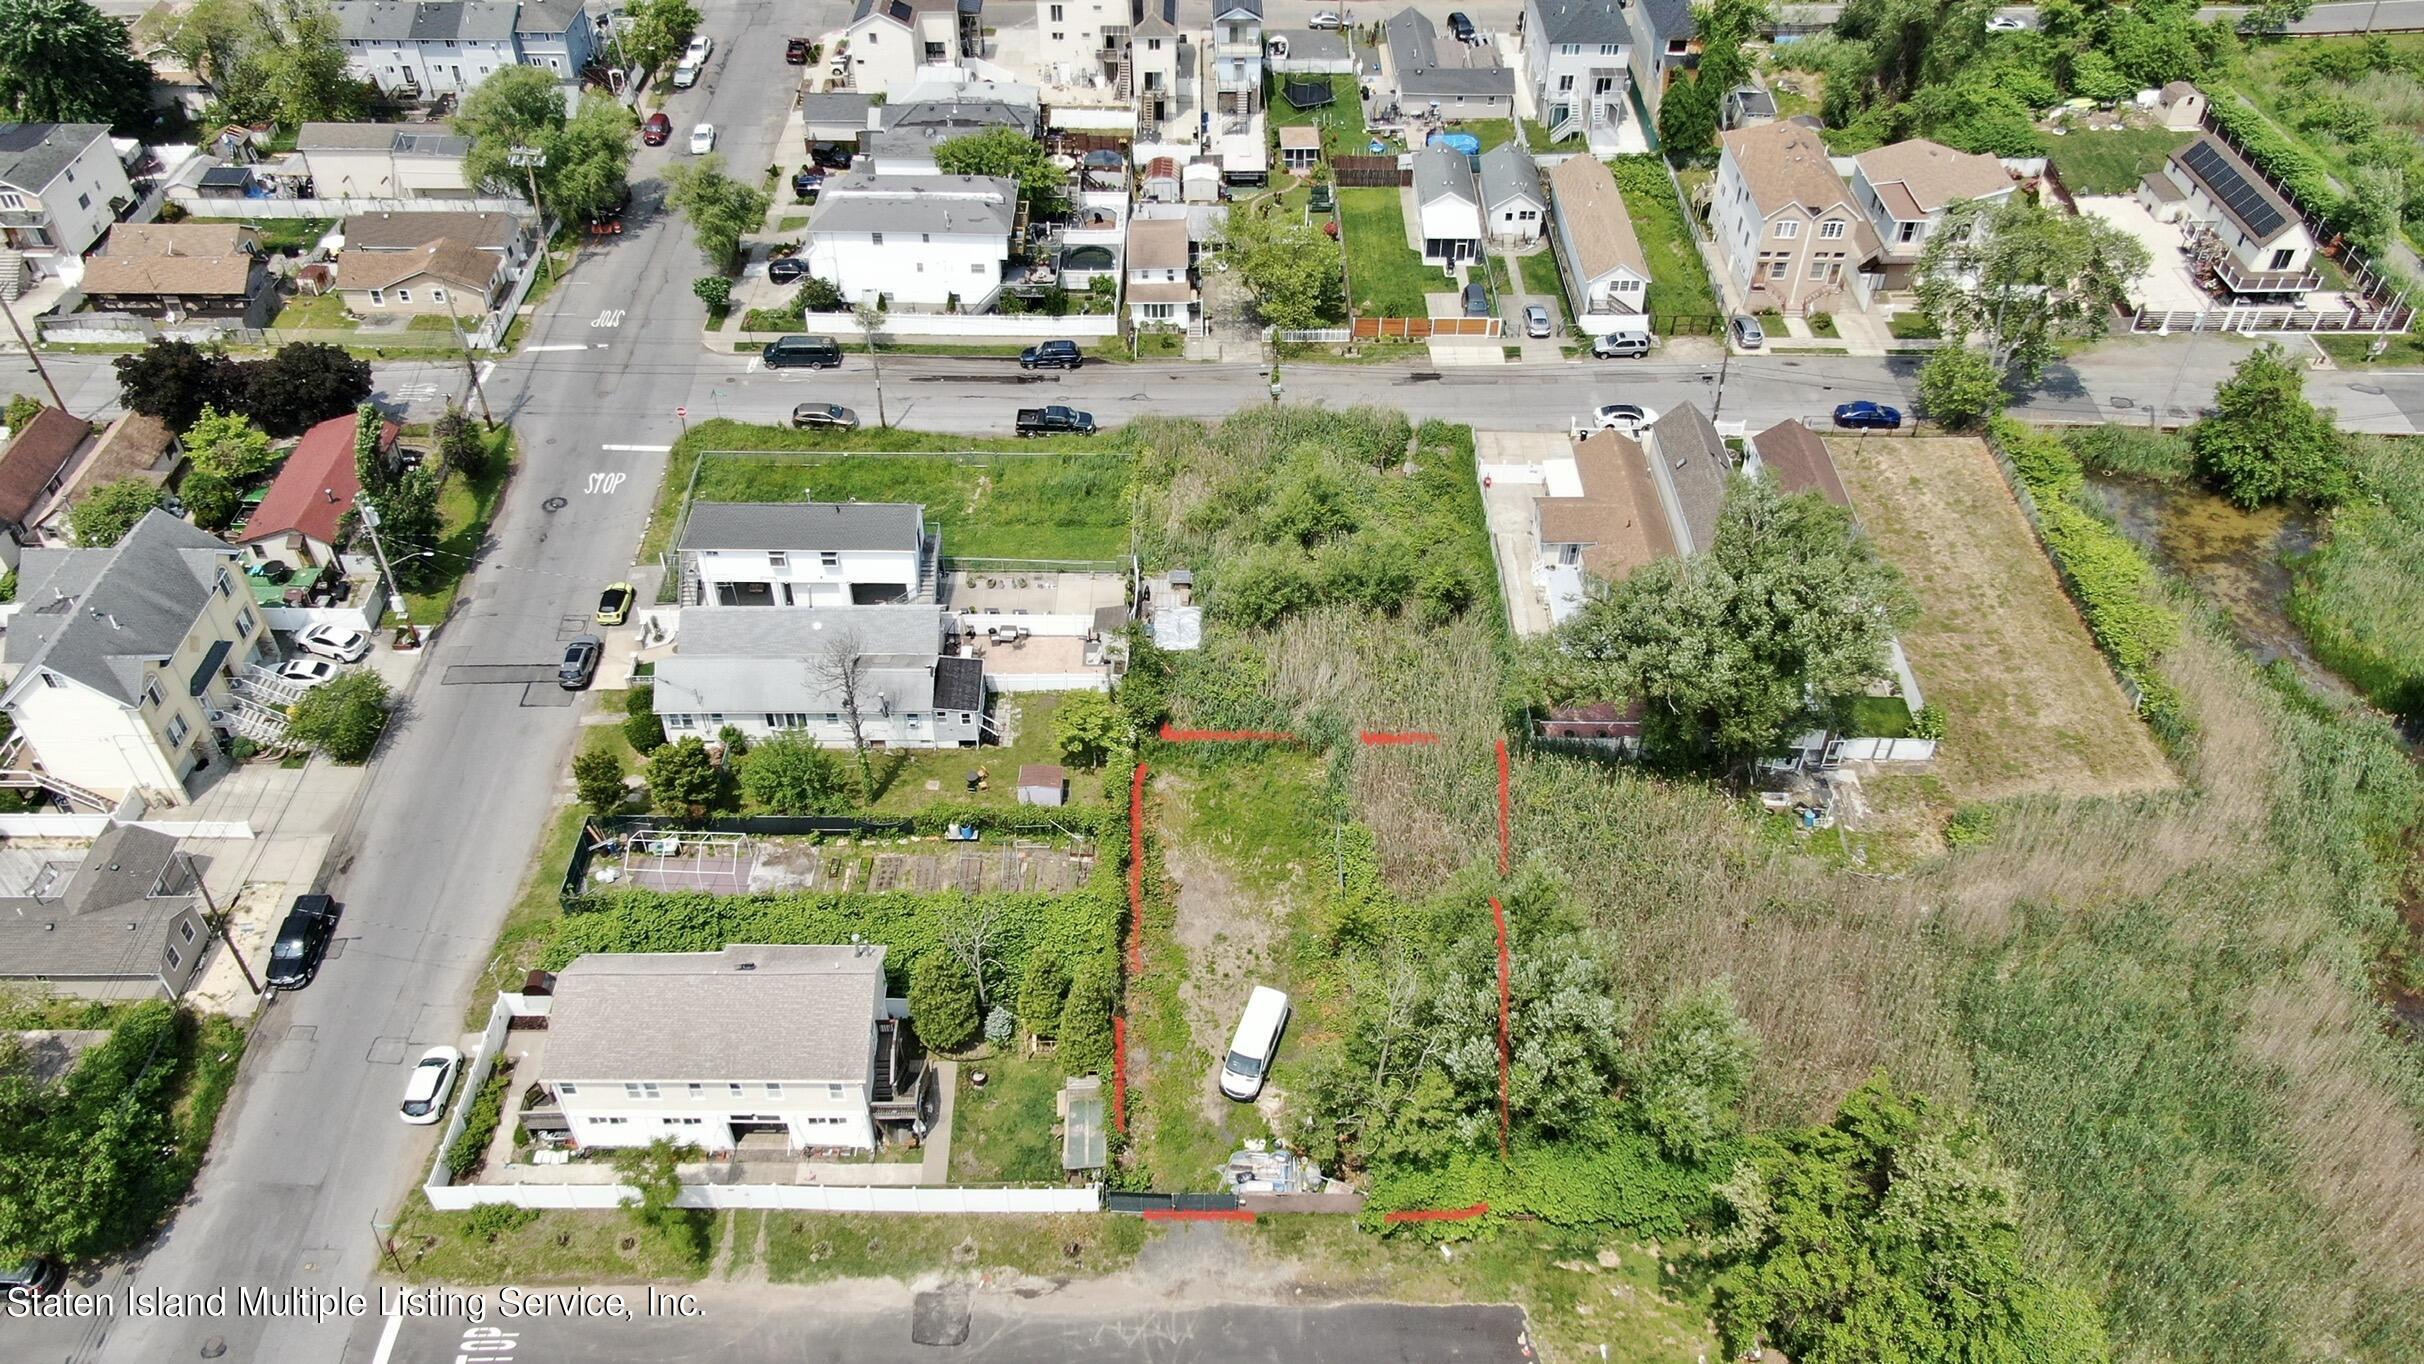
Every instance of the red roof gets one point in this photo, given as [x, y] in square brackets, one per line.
[317, 486]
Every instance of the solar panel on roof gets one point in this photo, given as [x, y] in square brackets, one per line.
[2244, 198]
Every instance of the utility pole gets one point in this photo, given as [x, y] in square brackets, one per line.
[530, 159]
[32, 354]
[470, 365]
[866, 320]
[220, 922]
[395, 590]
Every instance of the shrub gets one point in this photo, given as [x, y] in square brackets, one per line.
[489, 1221]
[2132, 452]
[682, 780]
[713, 290]
[470, 1148]
[343, 718]
[2108, 575]
[1000, 1026]
[1970, 824]
[645, 731]
[1927, 722]
[1085, 1021]
[1043, 993]
[598, 777]
[942, 1001]
[641, 699]
[790, 775]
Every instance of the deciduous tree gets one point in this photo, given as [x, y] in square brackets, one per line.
[102, 517]
[21, 409]
[462, 446]
[175, 380]
[302, 385]
[585, 157]
[227, 445]
[2265, 441]
[789, 775]
[1087, 727]
[2022, 277]
[1294, 272]
[1014, 156]
[1731, 650]
[1960, 388]
[341, 718]
[1691, 1080]
[63, 61]
[683, 780]
[719, 208]
[659, 29]
[597, 775]
[409, 523]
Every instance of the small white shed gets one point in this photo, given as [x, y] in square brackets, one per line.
[1043, 784]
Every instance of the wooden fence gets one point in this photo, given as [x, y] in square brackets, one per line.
[1370, 172]
[1424, 328]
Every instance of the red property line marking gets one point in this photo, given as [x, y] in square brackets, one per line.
[1434, 1214]
[1506, 827]
[1119, 1072]
[1397, 736]
[1224, 736]
[1506, 1002]
[1199, 1215]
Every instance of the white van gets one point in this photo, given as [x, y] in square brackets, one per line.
[1257, 1041]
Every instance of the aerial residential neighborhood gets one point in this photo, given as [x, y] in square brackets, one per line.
[1229, 680]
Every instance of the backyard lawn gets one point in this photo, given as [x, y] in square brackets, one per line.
[2112, 162]
[1679, 279]
[320, 313]
[1540, 272]
[1002, 1134]
[1341, 120]
[902, 774]
[277, 234]
[1385, 278]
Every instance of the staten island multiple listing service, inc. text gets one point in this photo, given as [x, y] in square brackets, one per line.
[311, 1304]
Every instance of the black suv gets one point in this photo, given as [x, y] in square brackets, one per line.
[1052, 355]
[1460, 26]
[294, 958]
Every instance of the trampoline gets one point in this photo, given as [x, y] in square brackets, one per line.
[1308, 94]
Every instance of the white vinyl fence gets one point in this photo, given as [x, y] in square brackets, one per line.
[1881, 751]
[91, 826]
[788, 1197]
[982, 326]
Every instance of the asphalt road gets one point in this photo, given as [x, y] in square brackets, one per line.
[789, 1326]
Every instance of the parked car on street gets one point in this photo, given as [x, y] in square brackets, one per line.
[1621, 345]
[658, 130]
[685, 76]
[1255, 1044]
[835, 415]
[1748, 334]
[306, 672]
[795, 51]
[1624, 418]
[334, 641]
[804, 185]
[786, 269]
[1536, 322]
[425, 1090]
[802, 352]
[614, 604]
[700, 46]
[580, 662]
[38, 1277]
[1052, 355]
[294, 955]
[702, 139]
[1867, 416]
[1054, 421]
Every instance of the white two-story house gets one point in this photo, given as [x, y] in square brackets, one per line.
[417, 50]
[1235, 77]
[119, 659]
[1075, 40]
[1905, 189]
[709, 1048]
[61, 187]
[931, 243]
[1576, 55]
[887, 42]
[1160, 293]
[808, 554]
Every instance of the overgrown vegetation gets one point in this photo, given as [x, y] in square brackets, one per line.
[469, 1151]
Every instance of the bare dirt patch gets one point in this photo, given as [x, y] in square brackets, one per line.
[2029, 704]
[1229, 934]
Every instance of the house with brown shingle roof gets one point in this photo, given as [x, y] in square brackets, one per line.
[1797, 459]
[34, 466]
[134, 446]
[446, 278]
[175, 271]
[1612, 524]
[1606, 274]
[1160, 292]
[1785, 221]
[1905, 189]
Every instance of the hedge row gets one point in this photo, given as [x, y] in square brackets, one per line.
[2271, 152]
[2108, 575]
[480, 1124]
[1620, 1180]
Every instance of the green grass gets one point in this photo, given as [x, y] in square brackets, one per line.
[321, 313]
[902, 774]
[1032, 506]
[1823, 324]
[1880, 717]
[1341, 120]
[791, 222]
[1002, 1134]
[556, 1245]
[820, 1247]
[277, 234]
[1499, 283]
[2358, 594]
[2347, 351]
[465, 507]
[432, 322]
[1913, 326]
[535, 913]
[1384, 275]
[2112, 162]
[1493, 132]
[1540, 273]
[1679, 280]
[1536, 138]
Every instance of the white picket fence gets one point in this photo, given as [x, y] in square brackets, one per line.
[787, 1197]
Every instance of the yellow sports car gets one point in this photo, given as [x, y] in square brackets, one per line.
[614, 605]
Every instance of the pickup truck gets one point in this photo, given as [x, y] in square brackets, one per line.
[1046, 421]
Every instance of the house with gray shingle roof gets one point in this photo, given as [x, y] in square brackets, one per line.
[561, 35]
[1665, 40]
[61, 185]
[120, 922]
[1447, 198]
[1452, 79]
[929, 243]
[773, 671]
[1577, 58]
[709, 1048]
[1689, 457]
[415, 49]
[119, 660]
[1513, 208]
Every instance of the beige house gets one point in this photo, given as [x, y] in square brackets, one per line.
[1784, 221]
[446, 277]
[1159, 290]
[1906, 188]
[120, 660]
[1606, 274]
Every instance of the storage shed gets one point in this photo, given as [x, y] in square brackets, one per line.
[1043, 784]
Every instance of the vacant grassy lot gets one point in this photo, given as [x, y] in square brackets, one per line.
[815, 1247]
[1385, 278]
[2112, 162]
[2029, 705]
[1679, 279]
[1029, 504]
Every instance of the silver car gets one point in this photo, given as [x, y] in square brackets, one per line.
[1536, 322]
[1747, 332]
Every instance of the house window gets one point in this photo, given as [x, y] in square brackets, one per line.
[1152, 44]
[84, 201]
[829, 558]
[186, 930]
[1906, 232]
[1569, 49]
[735, 1087]
[698, 1091]
[832, 717]
[1610, 49]
[437, 295]
[151, 694]
[1787, 230]
[1832, 229]
[2283, 257]
[220, 584]
[244, 621]
[1776, 269]
[1056, 13]
[773, 1090]
[1564, 83]
[51, 680]
[645, 1089]
[403, 295]
[174, 957]
[977, 269]
[610, 1122]
[677, 722]
[378, 298]
[877, 238]
[177, 730]
[833, 1091]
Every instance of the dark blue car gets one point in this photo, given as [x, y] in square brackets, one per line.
[1868, 416]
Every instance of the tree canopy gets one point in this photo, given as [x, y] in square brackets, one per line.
[301, 385]
[1294, 272]
[1011, 154]
[719, 207]
[2265, 442]
[584, 157]
[2021, 277]
[659, 29]
[343, 717]
[63, 61]
[1733, 650]
[789, 775]
[102, 517]
[228, 445]
[1960, 388]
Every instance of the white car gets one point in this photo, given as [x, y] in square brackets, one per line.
[702, 139]
[334, 641]
[2004, 23]
[307, 672]
[425, 1090]
[1325, 18]
[685, 76]
[700, 46]
[1625, 418]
